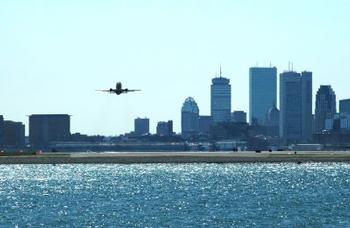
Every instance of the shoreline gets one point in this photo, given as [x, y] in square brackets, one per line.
[176, 157]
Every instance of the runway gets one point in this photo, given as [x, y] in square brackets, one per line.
[176, 157]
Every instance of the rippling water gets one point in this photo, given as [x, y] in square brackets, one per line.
[175, 195]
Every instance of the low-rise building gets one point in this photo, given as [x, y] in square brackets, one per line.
[141, 126]
[239, 117]
[45, 129]
[165, 128]
[205, 122]
[14, 134]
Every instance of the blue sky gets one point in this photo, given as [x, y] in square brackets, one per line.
[54, 54]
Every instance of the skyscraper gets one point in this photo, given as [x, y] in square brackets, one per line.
[306, 105]
[344, 106]
[220, 99]
[295, 106]
[44, 129]
[189, 118]
[141, 126]
[262, 93]
[325, 107]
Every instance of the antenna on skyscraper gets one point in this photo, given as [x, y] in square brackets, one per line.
[220, 71]
[288, 65]
[292, 66]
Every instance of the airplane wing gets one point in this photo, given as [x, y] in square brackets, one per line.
[132, 90]
[105, 90]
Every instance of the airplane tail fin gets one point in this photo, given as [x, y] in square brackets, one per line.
[118, 86]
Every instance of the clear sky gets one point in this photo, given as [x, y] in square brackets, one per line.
[54, 54]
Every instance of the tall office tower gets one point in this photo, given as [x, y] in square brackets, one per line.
[239, 117]
[325, 107]
[221, 99]
[1, 130]
[205, 123]
[141, 126]
[295, 106]
[344, 106]
[189, 118]
[262, 93]
[14, 134]
[165, 128]
[306, 105]
[45, 129]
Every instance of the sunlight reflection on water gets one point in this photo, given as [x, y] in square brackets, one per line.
[311, 194]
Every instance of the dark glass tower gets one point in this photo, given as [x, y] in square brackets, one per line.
[325, 107]
[296, 106]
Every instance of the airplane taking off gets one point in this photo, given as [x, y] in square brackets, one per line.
[119, 90]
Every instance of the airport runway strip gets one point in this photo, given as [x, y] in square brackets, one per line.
[175, 157]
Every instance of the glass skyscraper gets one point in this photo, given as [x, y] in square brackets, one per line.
[220, 99]
[189, 118]
[325, 107]
[262, 93]
[296, 106]
[306, 106]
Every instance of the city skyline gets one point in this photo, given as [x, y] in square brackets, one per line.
[313, 104]
[53, 63]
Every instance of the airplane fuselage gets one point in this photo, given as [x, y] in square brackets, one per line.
[119, 90]
[116, 91]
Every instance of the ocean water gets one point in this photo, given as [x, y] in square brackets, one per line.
[166, 195]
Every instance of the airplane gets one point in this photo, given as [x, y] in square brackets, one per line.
[119, 90]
